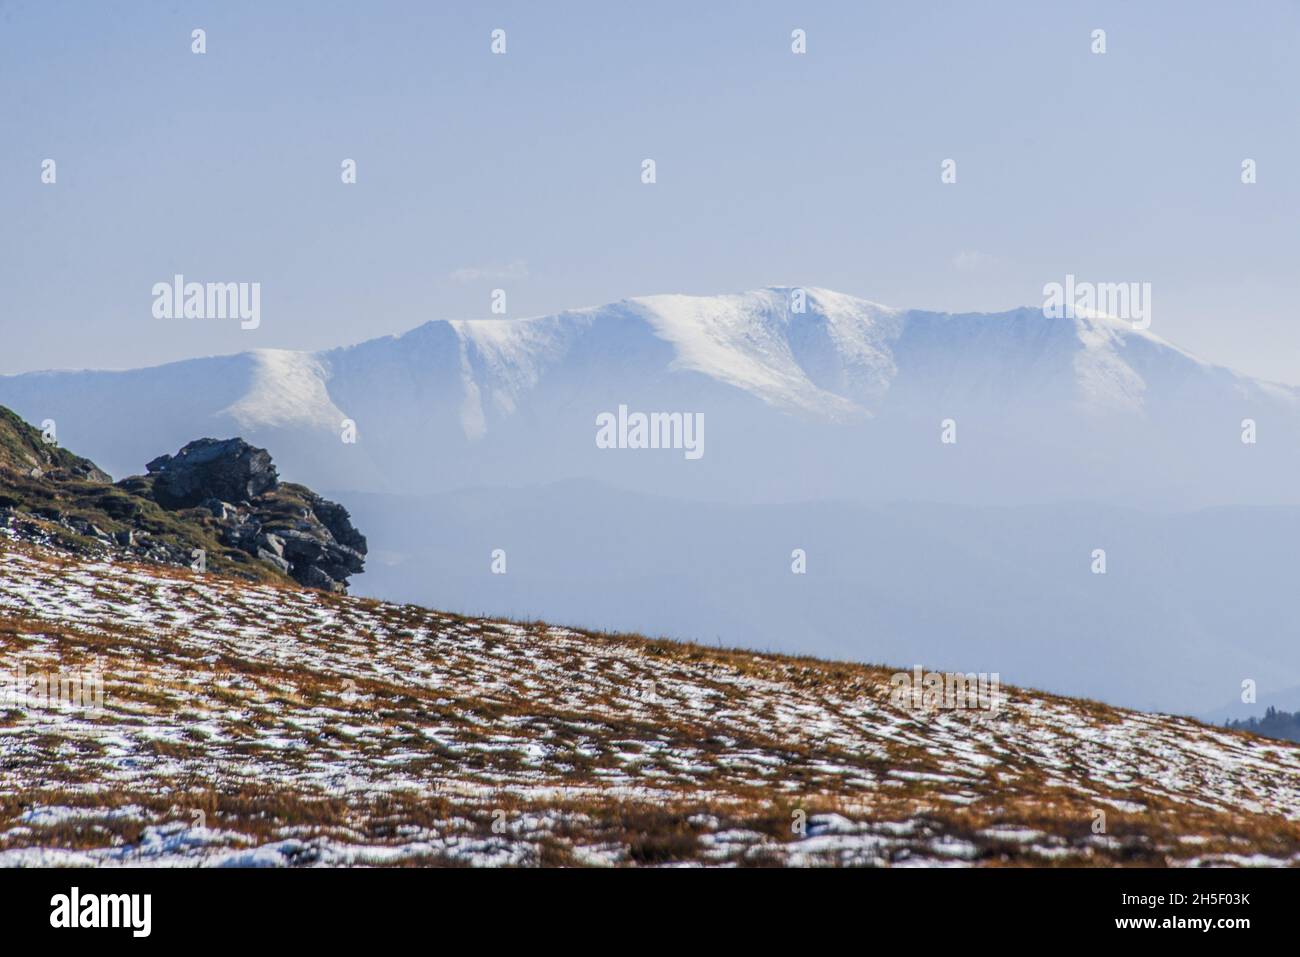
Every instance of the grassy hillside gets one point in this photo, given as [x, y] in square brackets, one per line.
[259, 724]
[23, 449]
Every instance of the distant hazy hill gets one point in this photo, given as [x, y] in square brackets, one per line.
[1273, 724]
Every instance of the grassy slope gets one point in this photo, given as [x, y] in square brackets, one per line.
[23, 449]
[310, 728]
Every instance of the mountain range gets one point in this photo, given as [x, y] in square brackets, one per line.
[842, 398]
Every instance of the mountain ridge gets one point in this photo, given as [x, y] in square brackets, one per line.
[489, 394]
[671, 316]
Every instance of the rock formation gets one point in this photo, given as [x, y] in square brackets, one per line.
[216, 501]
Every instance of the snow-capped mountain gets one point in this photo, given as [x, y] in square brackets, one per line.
[832, 396]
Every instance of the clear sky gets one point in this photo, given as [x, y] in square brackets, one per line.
[522, 171]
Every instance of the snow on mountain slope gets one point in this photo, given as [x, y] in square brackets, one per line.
[502, 361]
[287, 389]
[253, 725]
[817, 362]
[854, 390]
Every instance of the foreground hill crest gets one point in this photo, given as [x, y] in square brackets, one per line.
[332, 730]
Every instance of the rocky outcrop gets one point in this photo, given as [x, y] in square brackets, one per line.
[297, 540]
[216, 504]
[288, 527]
[229, 471]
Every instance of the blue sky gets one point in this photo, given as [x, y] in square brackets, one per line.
[522, 171]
